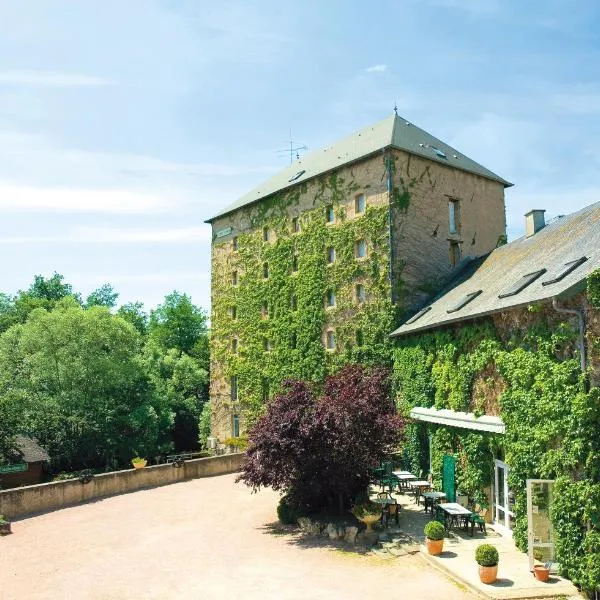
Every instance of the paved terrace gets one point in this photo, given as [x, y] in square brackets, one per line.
[205, 538]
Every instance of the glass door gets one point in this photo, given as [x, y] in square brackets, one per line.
[540, 532]
[503, 498]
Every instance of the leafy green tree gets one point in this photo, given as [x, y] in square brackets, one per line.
[204, 427]
[76, 378]
[105, 296]
[133, 312]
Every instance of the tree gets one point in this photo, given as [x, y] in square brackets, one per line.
[105, 296]
[133, 312]
[177, 323]
[76, 378]
[320, 450]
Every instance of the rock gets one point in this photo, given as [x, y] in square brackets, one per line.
[309, 527]
[350, 534]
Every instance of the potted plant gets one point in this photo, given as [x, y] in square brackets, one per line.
[487, 558]
[4, 526]
[139, 463]
[542, 572]
[434, 534]
[368, 513]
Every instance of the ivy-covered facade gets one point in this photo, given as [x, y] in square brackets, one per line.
[534, 367]
[314, 269]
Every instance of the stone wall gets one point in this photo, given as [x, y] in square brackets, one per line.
[46, 497]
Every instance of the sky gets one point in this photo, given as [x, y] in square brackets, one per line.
[124, 125]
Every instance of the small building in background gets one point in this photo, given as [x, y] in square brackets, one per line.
[27, 465]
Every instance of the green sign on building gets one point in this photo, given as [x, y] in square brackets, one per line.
[16, 468]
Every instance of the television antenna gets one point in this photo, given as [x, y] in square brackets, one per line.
[292, 150]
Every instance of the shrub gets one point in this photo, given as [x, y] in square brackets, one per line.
[366, 508]
[239, 443]
[3, 521]
[486, 555]
[434, 530]
[287, 511]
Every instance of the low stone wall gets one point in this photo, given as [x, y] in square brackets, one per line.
[45, 497]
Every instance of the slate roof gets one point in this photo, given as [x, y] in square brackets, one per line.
[394, 132]
[562, 241]
[29, 450]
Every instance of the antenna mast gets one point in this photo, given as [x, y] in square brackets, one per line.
[293, 149]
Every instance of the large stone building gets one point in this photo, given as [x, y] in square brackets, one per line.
[314, 267]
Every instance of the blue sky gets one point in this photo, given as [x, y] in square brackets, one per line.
[123, 125]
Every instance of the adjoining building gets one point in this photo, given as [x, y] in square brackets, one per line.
[26, 466]
[314, 267]
[500, 374]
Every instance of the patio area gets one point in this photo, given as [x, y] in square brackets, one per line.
[458, 558]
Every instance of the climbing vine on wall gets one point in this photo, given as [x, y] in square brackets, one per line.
[280, 319]
[529, 370]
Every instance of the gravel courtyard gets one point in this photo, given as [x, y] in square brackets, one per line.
[206, 538]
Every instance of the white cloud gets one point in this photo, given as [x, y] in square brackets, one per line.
[50, 79]
[377, 69]
[21, 198]
[109, 235]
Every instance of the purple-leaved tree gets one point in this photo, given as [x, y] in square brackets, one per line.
[319, 451]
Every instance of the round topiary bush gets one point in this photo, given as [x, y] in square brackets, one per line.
[434, 530]
[287, 513]
[486, 555]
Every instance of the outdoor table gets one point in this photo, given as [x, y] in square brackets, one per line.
[405, 478]
[417, 486]
[400, 473]
[385, 502]
[452, 513]
[431, 498]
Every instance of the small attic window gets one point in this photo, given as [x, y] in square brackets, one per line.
[297, 176]
[464, 301]
[418, 315]
[567, 268]
[522, 283]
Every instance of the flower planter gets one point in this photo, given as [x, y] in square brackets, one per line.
[369, 521]
[541, 572]
[488, 574]
[434, 547]
[139, 464]
[5, 528]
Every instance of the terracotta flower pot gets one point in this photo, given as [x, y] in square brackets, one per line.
[435, 546]
[541, 572]
[488, 574]
[140, 464]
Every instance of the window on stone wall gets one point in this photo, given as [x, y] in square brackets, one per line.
[330, 339]
[264, 383]
[294, 340]
[360, 203]
[266, 344]
[264, 309]
[234, 346]
[235, 426]
[360, 249]
[233, 382]
[265, 234]
[455, 253]
[295, 225]
[360, 340]
[453, 216]
[295, 263]
[234, 278]
[361, 294]
[294, 302]
[330, 299]
[233, 313]
[330, 214]
[266, 270]
[234, 243]
[331, 255]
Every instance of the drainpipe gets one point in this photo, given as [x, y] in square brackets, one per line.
[581, 319]
[390, 188]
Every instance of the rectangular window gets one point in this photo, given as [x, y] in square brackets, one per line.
[265, 234]
[360, 203]
[464, 301]
[233, 313]
[330, 299]
[266, 270]
[234, 278]
[361, 294]
[266, 344]
[235, 426]
[294, 340]
[295, 263]
[295, 224]
[360, 249]
[265, 389]
[234, 388]
[330, 255]
[294, 302]
[330, 340]
[234, 243]
[360, 340]
[567, 268]
[330, 214]
[234, 346]
[264, 309]
[455, 254]
[418, 315]
[522, 283]
[453, 216]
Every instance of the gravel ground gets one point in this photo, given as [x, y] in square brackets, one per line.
[206, 538]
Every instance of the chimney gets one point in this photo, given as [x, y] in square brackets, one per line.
[534, 221]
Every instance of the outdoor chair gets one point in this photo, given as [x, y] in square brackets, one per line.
[478, 518]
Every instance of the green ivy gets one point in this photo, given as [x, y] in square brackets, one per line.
[529, 374]
[593, 288]
[295, 335]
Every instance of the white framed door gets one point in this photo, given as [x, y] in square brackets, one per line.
[503, 500]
